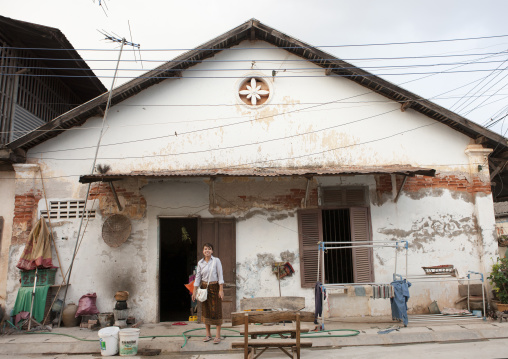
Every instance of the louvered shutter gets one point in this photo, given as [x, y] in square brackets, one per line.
[362, 257]
[343, 196]
[309, 233]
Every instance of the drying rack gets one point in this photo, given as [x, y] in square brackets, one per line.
[452, 278]
[324, 246]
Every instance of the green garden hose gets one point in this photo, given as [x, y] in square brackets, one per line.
[186, 337]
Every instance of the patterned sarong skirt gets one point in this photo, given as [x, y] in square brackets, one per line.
[211, 309]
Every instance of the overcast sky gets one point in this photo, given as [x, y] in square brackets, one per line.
[167, 24]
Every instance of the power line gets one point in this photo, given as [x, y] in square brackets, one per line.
[214, 127]
[261, 60]
[229, 147]
[239, 77]
[280, 47]
[259, 69]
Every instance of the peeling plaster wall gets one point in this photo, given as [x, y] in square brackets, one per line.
[284, 132]
[444, 225]
[98, 268]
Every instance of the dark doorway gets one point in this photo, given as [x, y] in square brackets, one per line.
[178, 238]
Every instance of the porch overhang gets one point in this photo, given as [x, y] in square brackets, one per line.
[404, 170]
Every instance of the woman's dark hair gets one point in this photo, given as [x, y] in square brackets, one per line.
[209, 245]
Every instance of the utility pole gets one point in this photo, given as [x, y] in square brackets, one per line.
[123, 42]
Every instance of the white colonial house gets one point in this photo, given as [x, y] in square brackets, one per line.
[264, 146]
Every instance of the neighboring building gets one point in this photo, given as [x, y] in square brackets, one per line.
[326, 152]
[37, 84]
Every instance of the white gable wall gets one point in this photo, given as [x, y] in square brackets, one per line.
[350, 131]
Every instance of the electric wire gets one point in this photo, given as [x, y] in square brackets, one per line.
[228, 147]
[261, 60]
[248, 69]
[258, 76]
[282, 47]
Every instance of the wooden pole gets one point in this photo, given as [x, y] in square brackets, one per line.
[51, 227]
[246, 337]
[33, 299]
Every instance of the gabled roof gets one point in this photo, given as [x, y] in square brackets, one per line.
[255, 30]
[42, 40]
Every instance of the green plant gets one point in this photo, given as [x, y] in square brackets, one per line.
[499, 279]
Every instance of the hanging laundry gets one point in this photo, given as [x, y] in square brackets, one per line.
[319, 296]
[399, 300]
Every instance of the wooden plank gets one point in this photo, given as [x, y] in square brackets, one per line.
[270, 317]
[272, 343]
[274, 329]
[288, 303]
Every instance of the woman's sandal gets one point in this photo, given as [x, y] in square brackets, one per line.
[207, 339]
[216, 341]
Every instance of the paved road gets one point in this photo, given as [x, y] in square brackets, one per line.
[485, 349]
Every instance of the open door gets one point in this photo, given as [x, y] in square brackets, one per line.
[178, 240]
[221, 233]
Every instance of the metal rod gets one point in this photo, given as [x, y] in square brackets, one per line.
[33, 299]
[388, 242]
[361, 246]
[407, 250]
[322, 296]
[396, 252]
[115, 196]
[89, 185]
[318, 261]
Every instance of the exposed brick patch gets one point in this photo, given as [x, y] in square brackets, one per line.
[133, 203]
[25, 212]
[294, 199]
[414, 184]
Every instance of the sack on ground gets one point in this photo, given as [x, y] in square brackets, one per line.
[202, 294]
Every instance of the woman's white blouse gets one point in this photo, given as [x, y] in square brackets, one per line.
[204, 271]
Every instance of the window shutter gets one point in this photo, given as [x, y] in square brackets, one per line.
[343, 196]
[362, 257]
[309, 234]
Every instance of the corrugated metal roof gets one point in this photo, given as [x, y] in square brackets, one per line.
[43, 40]
[265, 172]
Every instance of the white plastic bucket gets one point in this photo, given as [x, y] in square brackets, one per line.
[129, 341]
[109, 340]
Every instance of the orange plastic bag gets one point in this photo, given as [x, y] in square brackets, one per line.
[190, 287]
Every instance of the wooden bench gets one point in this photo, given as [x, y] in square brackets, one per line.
[291, 312]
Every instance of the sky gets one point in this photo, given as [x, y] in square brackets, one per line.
[466, 76]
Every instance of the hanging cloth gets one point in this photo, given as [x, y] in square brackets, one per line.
[319, 295]
[37, 252]
[399, 300]
[24, 301]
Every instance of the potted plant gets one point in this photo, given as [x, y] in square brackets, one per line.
[499, 280]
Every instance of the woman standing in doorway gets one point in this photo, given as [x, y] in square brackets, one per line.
[210, 269]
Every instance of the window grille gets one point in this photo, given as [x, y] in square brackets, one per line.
[67, 210]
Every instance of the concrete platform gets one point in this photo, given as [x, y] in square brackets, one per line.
[170, 338]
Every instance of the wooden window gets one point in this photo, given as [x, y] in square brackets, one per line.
[335, 225]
